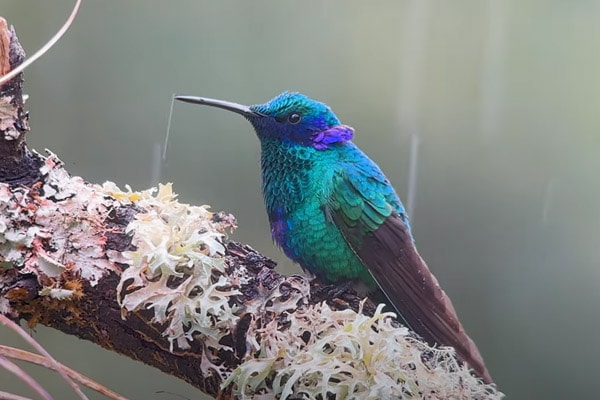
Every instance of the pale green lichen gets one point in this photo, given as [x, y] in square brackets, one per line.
[175, 240]
[348, 355]
[57, 232]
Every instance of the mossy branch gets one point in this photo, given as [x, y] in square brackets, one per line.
[144, 275]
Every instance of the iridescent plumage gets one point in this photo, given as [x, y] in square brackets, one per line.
[333, 211]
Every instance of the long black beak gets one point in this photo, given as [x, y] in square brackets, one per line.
[226, 105]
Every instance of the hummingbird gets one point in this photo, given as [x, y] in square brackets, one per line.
[333, 211]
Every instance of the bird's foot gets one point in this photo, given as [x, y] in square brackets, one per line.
[341, 291]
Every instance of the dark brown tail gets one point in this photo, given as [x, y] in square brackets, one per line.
[391, 257]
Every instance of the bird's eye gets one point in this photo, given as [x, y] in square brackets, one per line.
[294, 118]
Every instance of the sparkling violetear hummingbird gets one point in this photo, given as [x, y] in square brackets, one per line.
[333, 211]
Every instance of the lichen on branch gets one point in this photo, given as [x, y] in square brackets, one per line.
[178, 268]
[249, 330]
[55, 230]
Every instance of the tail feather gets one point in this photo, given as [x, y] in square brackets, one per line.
[391, 257]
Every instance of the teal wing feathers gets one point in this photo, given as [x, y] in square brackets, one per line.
[371, 219]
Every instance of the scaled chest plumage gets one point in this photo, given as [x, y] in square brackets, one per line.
[297, 185]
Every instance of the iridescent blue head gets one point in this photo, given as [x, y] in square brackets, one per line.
[290, 118]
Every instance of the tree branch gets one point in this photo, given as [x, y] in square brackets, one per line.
[156, 280]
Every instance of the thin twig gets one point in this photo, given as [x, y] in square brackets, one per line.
[23, 355]
[25, 377]
[25, 336]
[12, 396]
[45, 48]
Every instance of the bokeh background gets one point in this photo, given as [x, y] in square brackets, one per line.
[483, 114]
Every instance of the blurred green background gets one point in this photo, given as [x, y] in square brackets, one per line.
[484, 115]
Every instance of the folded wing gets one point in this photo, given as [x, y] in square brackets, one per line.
[371, 218]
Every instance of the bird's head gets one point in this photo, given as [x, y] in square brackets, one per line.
[289, 118]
